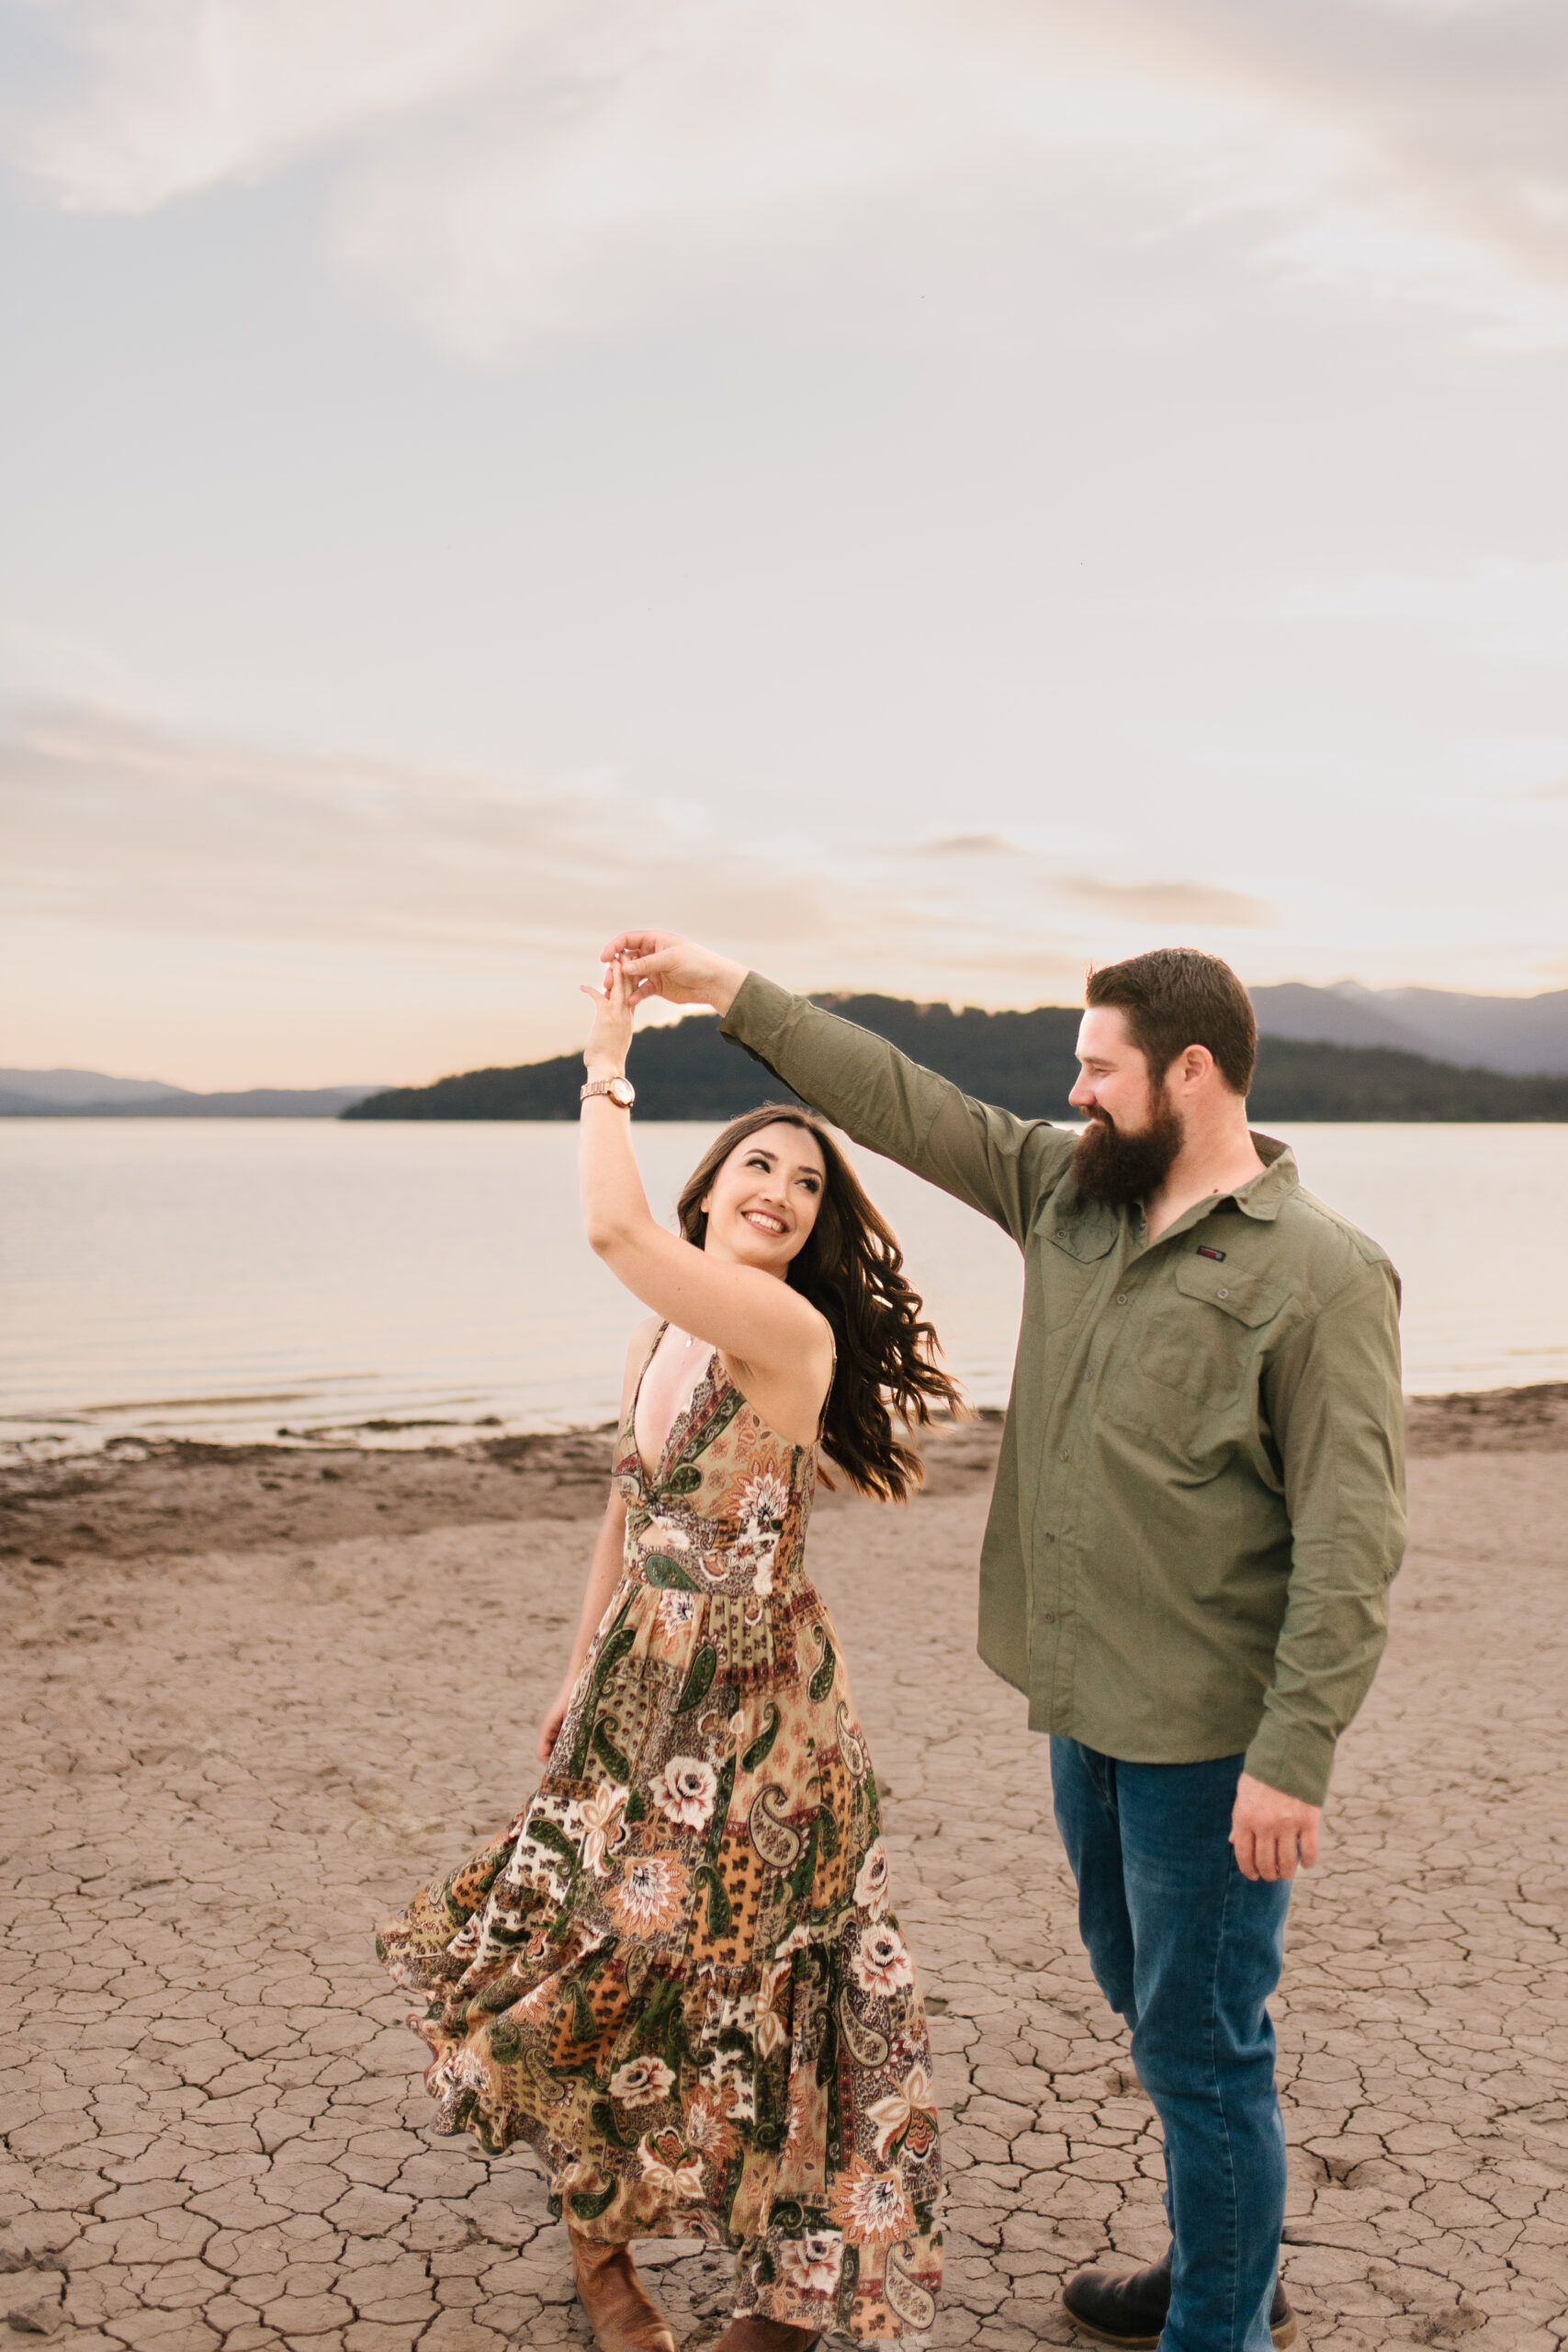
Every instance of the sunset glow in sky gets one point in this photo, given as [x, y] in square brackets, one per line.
[923, 494]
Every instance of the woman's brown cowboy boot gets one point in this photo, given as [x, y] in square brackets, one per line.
[623, 2315]
[765, 2336]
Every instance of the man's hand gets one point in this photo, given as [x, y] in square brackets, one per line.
[1268, 1829]
[660, 963]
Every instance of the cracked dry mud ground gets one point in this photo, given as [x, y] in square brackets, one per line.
[230, 1748]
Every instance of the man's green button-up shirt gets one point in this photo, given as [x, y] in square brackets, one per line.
[1199, 1496]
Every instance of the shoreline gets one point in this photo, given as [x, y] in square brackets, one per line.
[161, 1499]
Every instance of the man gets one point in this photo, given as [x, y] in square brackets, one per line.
[1197, 1509]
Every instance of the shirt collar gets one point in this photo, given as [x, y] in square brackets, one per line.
[1265, 1196]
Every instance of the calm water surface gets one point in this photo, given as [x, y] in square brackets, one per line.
[232, 1278]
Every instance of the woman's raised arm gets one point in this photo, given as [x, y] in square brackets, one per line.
[751, 1315]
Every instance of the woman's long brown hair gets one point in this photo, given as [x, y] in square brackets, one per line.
[852, 1269]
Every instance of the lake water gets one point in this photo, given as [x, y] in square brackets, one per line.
[234, 1278]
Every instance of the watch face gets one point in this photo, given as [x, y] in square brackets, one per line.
[623, 1091]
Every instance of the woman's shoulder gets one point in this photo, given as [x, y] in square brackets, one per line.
[639, 1347]
[817, 1340]
[800, 1388]
[641, 1339]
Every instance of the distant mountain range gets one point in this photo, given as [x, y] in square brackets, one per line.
[1023, 1061]
[90, 1094]
[1345, 1052]
[1523, 1035]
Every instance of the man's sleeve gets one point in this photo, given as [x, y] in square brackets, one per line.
[997, 1163]
[1335, 1403]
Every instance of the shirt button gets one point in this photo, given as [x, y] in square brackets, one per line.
[1050, 1539]
[1222, 1294]
[1049, 1618]
[1066, 1457]
[1121, 1298]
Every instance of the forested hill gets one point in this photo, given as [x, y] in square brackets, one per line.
[688, 1071]
[1021, 1060]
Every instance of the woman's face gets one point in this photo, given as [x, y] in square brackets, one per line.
[764, 1199]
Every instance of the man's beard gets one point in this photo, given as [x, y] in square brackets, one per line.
[1120, 1168]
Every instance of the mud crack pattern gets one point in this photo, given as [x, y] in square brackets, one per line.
[221, 1764]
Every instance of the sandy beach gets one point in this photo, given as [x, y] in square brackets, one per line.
[256, 1695]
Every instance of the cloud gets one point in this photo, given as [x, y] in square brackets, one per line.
[227, 916]
[968, 845]
[1201, 903]
[216, 914]
[136, 102]
[503, 168]
[117, 831]
[1450, 119]
[111, 822]
[1515, 609]
[633, 161]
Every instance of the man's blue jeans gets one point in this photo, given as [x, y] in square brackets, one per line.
[1188, 1951]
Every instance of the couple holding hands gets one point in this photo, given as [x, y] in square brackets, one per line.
[677, 1973]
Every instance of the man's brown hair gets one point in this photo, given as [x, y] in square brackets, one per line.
[1177, 996]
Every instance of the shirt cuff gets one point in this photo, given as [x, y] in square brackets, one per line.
[1292, 1758]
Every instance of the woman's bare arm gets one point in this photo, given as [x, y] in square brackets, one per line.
[605, 1568]
[753, 1317]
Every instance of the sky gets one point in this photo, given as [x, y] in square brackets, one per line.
[925, 495]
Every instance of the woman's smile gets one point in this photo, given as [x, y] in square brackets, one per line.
[787, 1162]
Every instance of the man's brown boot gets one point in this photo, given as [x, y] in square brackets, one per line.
[1128, 2308]
[622, 2313]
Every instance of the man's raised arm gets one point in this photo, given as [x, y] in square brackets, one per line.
[995, 1162]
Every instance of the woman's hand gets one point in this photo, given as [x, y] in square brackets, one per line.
[549, 1730]
[661, 964]
[614, 1011]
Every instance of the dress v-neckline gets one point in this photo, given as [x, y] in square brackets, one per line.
[683, 1418]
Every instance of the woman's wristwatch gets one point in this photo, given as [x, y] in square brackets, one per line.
[620, 1091]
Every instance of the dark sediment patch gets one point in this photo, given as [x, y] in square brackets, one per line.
[1491, 1420]
[152, 1500]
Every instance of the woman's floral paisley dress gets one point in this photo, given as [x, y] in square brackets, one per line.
[676, 1974]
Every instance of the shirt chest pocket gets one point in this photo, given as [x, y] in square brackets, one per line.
[1203, 1341]
[1071, 1266]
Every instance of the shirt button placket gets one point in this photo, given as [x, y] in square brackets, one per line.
[1050, 1577]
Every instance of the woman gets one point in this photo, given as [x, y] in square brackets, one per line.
[676, 1975]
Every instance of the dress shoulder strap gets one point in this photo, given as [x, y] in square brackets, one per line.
[642, 1375]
